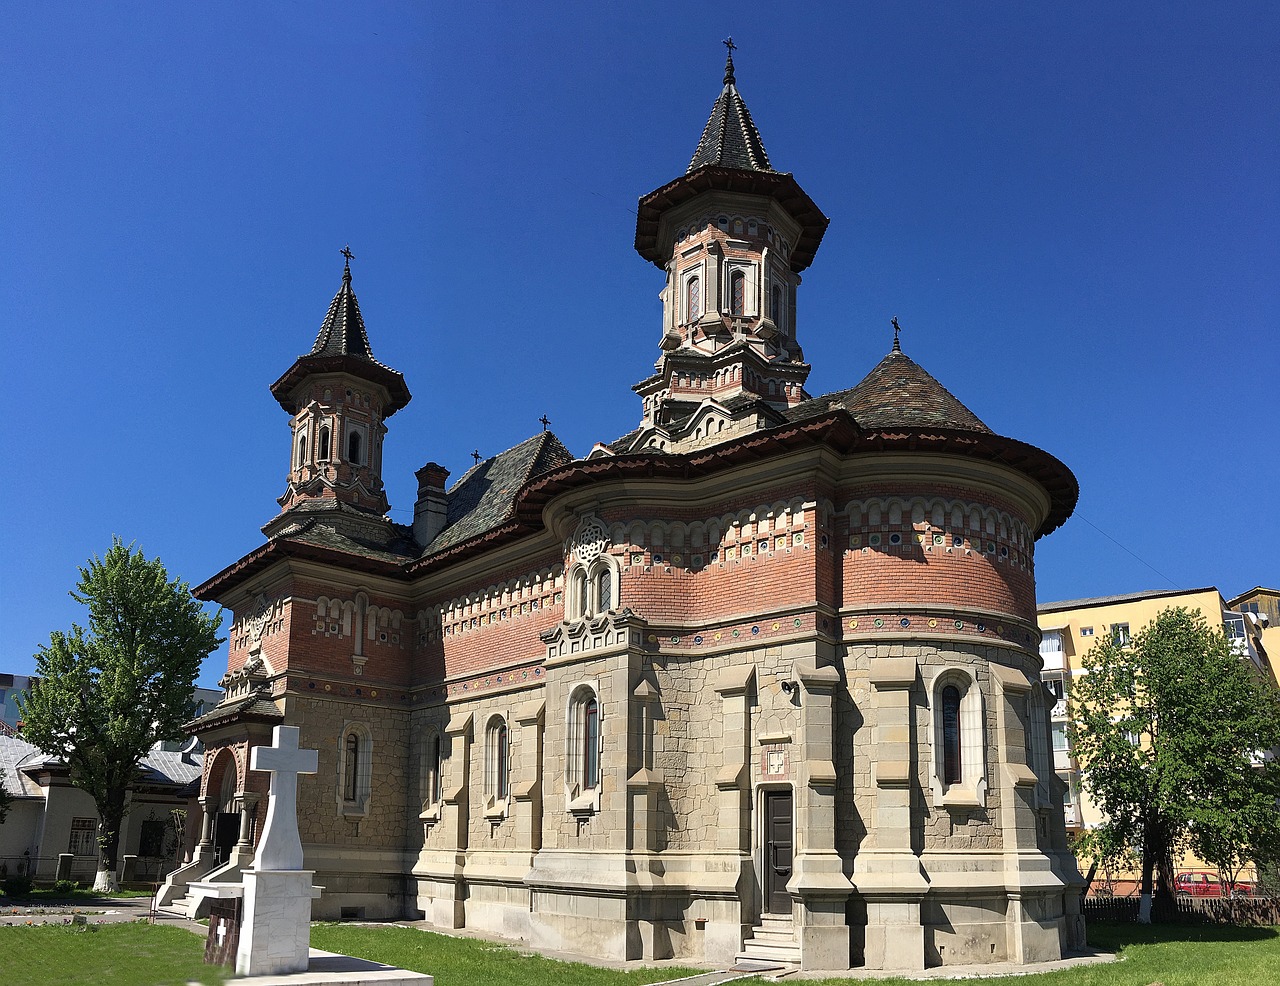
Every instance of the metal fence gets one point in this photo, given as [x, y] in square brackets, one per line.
[84, 869]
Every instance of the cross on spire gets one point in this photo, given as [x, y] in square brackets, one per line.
[896, 329]
[546, 422]
[346, 271]
[475, 454]
[728, 64]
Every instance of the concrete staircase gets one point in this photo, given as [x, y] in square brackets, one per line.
[195, 906]
[772, 945]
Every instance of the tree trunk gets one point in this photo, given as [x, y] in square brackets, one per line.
[1148, 867]
[110, 817]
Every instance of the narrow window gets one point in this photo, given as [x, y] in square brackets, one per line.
[590, 743]
[500, 738]
[302, 450]
[775, 306]
[604, 591]
[737, 293]
[349, 786]
[951, 735]
[353, 448]
[433, 770]
[693, 298]
[580, 599]
[324, 444]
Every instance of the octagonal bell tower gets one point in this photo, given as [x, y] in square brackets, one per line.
[732, 236]
[338, 397]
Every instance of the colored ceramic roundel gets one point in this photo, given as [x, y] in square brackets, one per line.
[736, 632]
[959, 624]
[653, 638]
[675, 640]
[982, 628]
[796, 621]
[698, 639]
[904, 622]
[853, 624]
[878, 622]
[933, 623]
[777, 626]
[754, 631]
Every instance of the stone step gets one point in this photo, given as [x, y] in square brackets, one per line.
[782, 955]
[772, 939]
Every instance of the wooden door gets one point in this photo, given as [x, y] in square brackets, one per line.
[778, 847]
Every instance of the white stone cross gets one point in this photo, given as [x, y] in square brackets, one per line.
[281, 847]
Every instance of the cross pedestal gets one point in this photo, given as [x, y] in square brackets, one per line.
[275, 934]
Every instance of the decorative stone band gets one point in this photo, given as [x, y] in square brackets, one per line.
[1006, 630]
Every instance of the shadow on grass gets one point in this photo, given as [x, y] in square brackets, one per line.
[1115, 936]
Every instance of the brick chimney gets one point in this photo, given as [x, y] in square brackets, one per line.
[430, 510]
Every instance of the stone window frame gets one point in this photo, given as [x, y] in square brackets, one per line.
[324, 445]
[581, 800]
[431, 776]
[302, 448]
[360, 433]
[696, 272]
[971, 790]
[584, 585]
[357, 807]
[497, 766]
[750, 272]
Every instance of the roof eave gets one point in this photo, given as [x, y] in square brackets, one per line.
[779, 186]
[392, 380]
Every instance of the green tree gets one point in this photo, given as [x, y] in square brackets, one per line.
[107, 694]
[1170, 731]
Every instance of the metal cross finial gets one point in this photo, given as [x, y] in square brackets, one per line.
[475, 454]
[896, 329]
[728, 43]
[346, 252]
[546, 422]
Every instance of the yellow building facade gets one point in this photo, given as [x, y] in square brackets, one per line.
[1071, 628]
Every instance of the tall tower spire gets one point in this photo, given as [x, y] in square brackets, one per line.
[338, 397]
[732, 235]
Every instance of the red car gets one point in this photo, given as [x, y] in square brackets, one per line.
[1198, 883]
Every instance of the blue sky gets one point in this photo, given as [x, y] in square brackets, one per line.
[1073, 209]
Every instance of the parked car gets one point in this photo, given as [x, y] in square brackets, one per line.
[1244, 888]
[1198, 883]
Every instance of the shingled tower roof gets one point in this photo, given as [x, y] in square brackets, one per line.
[342, 346]
[897, 393]
[730, 139]
[342, 332]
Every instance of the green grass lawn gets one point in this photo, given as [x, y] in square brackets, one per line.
[103, 955]
[142, 955]
[34, 897]
[459, 961]
[1175, 955]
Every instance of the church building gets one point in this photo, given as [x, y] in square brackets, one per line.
[759, 678]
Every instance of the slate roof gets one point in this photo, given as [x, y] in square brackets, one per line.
[250, 706]
[1127, 597]
[313, 524]
[485, 495]
[730, 139]
[342, 344]
[14, 751]
[898, 393]
[159, 767]
[342, 333]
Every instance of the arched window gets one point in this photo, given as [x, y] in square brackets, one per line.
[604, 590]
[591, 743]
[302, 450]
[432, 782]
[350, 782]
[324, 444]
[582, 752]
[353, 448]
[737, 293]
[497, 772]
[693, 299]
[355, 769]
[582, 598]
[951, 772]
[959, 740]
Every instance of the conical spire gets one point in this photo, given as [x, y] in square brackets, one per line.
[730, 139]
[342, 333]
